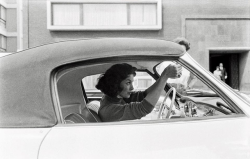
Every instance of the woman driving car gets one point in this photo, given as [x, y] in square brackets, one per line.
[120, 102]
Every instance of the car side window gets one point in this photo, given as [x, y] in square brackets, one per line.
[89, 83]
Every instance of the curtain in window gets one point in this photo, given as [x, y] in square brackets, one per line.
[66, 14]
[104, 15]
[143, 14]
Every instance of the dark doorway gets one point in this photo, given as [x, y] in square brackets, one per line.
[230, 62]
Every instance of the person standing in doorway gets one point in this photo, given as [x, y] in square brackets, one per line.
[223, 72]
[217, 73]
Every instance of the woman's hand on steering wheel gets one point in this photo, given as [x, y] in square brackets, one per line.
[163, 106]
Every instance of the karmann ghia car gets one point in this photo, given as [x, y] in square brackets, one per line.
[49, 105]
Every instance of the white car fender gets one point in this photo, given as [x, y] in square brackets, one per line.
[215, 138]
[21, 143]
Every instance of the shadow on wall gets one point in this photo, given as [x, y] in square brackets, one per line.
[244, 69]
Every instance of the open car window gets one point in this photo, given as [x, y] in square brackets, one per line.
[194, 98]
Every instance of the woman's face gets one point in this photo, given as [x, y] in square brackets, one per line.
[127, 87]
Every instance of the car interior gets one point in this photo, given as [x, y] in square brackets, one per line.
[79, 100]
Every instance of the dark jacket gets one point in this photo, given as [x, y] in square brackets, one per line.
[223, 74]
[118, 109]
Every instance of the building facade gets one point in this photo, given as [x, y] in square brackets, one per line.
[219, 31]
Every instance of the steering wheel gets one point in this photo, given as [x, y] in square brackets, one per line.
[161, 115]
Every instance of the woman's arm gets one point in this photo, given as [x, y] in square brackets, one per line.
[154, 91]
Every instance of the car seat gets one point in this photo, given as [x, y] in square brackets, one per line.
[87, 115]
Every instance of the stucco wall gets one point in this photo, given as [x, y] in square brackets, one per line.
[39, 34]
[204, 33]
[217, 32]
[12, 1]
[173, 12]
[11, 20]
[11, 44]
[205, 23]
[245, 72]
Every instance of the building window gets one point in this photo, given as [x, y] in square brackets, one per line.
[2, 17]
[2, 13]
[3, 44]
[104, 15]
[66, 14]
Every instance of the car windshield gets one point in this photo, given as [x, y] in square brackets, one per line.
[193, 98]
[187, 84]
[244, 96]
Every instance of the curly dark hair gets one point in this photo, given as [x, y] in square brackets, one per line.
[109, 82]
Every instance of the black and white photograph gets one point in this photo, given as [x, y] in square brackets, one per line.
[125, 79]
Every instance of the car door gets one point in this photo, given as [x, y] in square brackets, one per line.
[217, 137]
[211, 138]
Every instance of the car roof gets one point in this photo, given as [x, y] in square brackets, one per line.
[25, 77]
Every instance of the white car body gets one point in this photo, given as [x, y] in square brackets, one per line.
[225, 137]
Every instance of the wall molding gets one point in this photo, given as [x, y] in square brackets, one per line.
[8, 6]
[3, 32]
[8, 34]
[111, 27]
[11, 34]
[209, 17]
[229, 48]
[3, 3]
[11, 6]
